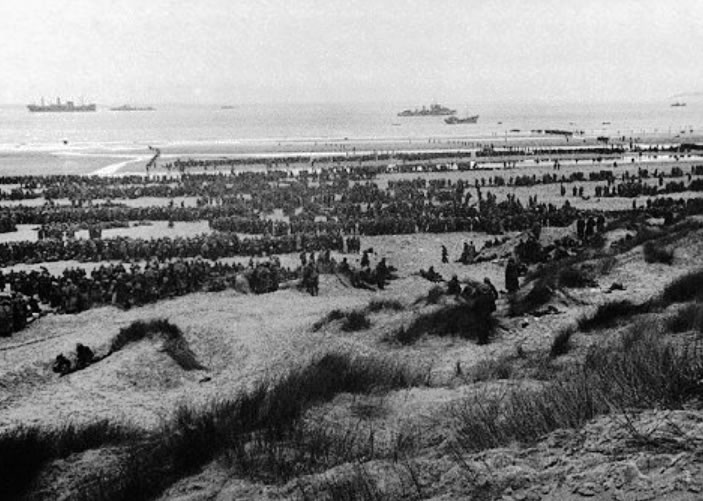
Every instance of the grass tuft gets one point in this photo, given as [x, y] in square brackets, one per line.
[609, 314]
[377, 305]
[451, 320]
[688, 318]
[562, 342]
[175, 344]
[685, 288]
[355, 321]
[655, 252]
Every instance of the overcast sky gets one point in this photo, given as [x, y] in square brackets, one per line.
[416, 51]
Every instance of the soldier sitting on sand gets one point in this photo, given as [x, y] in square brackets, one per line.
[431, 275]
[468, 254]
[84, 356]
[453, 286]
[61, 365]
[489, 284]
[365, 259]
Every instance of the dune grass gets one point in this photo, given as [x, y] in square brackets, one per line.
[646, 371]
[610, 313]
[175, 344]
[457, 319]
[26, 449]
[376, 305]
[655, 252]
[352, 320]
[259, 432]
[356, 320]
[688, 318]
[683, 289]
[561, 344]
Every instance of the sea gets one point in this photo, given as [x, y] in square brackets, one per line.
[106, 141]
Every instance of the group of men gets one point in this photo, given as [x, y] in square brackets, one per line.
[15, 311]
[211, 246]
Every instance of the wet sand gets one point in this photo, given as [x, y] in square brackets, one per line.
[67, 159]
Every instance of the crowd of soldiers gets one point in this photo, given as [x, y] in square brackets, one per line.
[7, 224]
[322, 210]
[16, 311]
[127, 285]
[212, 246]
[325, 202]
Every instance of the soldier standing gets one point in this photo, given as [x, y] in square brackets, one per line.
[512, 283]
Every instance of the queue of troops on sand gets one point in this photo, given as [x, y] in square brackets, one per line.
[318, 211]
[126, 285]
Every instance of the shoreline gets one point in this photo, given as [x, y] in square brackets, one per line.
[101, 160]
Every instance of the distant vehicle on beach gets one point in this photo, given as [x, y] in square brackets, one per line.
[435, 110]
[466, 120]
[127, 107]
[59, 107]
[677, 104]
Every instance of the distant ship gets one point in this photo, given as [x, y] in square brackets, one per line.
[466, 120]
[59, 107]
[127, 107]
[227, 107]
[677, 104]
[435, 110]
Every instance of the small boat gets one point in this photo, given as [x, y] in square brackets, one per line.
[466, 120]
[677, 104]
[127, 107]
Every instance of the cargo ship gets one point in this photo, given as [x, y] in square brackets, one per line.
[435, 110]
[127, 107]
[466, 120]
[59, 107]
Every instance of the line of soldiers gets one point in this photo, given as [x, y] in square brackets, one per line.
[121, 285]
[16, 311]
[129, 285]
[7, 225]
[213, 246]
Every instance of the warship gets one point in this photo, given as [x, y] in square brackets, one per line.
[678, 104]
[59, 107]
[127, 107]
[466, 120]
[435, 110]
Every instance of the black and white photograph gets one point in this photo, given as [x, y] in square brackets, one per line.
[351, 250]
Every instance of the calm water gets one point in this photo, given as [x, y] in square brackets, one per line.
[34, 142]
[175, 124]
